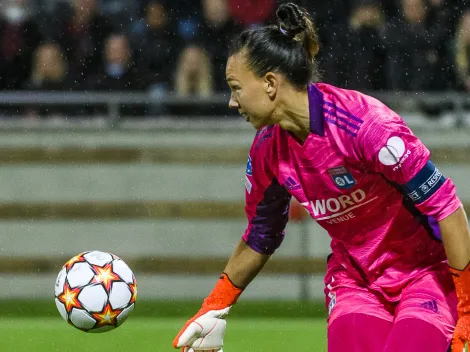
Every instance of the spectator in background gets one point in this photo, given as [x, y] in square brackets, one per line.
[412, 54]
[442, 24]
[153, 40]
[367, 52]
[82, 34]
[216, 31]
[49, 70]
[50, 73]
[334, 58]
[19, 37]
[462, 52]
[252, 12]
[120, 13]
[187, 16]
[118, 71]
[193, 73]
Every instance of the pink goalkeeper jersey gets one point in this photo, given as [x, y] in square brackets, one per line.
[364, 177]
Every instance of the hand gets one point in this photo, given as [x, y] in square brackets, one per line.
[203, 332]
[462, 329]
[461, 334]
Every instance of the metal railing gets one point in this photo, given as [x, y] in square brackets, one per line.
[113, 101]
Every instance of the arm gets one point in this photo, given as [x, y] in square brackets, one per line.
[390, 148]
[207, 327]
[244, 264]
[384, 144]
[267, 209]
[456, 238]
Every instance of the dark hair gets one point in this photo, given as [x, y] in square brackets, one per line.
[288, 48]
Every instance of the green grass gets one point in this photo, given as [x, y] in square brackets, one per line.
[141, 334]
[178, 308]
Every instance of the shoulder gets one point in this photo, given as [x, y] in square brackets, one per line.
[351, 100]
[356, 110]
[264, 139]
[263, 150]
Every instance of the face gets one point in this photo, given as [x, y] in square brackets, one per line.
[253, 96]
[465, 26]
[48, 56]
[85, 8]
[414, 10]
[216, 11]
[156, 15]
[117, 50]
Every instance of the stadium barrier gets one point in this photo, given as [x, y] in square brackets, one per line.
[43, 143]
[150, 210]
[174, 105]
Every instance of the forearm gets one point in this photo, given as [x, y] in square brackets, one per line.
[244, 265]
[456, 238]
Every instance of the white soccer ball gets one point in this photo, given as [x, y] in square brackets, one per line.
[95, 291]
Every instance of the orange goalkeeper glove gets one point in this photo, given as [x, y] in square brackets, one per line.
[462, 288]
[206, 330]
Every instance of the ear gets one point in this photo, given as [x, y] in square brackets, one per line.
[271, 84]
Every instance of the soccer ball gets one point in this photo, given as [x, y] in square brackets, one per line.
[95, 291]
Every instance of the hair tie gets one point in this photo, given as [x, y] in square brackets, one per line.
[283, 31]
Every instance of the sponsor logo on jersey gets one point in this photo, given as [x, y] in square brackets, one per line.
[338, 209]
[291, 184]
[331, 296]
[332, 303]
[248, 185]
[425, 183]
[431, 182]
[342, 177]
[431, 305]
[394, 153]
[249, 167]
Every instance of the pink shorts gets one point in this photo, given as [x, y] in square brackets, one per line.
[430, 297]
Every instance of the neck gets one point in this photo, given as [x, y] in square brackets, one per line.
[295, 114]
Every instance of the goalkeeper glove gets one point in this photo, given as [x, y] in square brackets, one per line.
[205, 331]
[462, 289]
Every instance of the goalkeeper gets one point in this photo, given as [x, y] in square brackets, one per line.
[398, 277]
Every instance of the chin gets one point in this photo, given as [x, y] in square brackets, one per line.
[257, 125]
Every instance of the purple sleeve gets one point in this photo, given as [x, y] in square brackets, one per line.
[267, 202]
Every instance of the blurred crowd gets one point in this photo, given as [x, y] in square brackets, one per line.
[180, 46]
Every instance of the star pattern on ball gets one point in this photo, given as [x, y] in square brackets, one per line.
[77, 259]
[133, 288]
[70, 297]
[107, 317]
[105, 276]
[115, 257]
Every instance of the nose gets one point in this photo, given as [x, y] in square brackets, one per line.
[233, 104]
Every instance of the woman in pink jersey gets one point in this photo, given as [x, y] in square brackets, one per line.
[398, 230]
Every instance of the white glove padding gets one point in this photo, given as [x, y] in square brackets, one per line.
[206, 333]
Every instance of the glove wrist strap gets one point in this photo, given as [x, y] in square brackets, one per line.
[224, 294]
[462, 288]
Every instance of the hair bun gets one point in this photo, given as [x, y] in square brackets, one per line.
[291, 19]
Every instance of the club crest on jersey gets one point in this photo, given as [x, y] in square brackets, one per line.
[249, 168]
[342, 177]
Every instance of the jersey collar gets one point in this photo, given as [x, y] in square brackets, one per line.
[315, 104]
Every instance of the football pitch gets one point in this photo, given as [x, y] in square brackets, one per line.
[143, 334]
